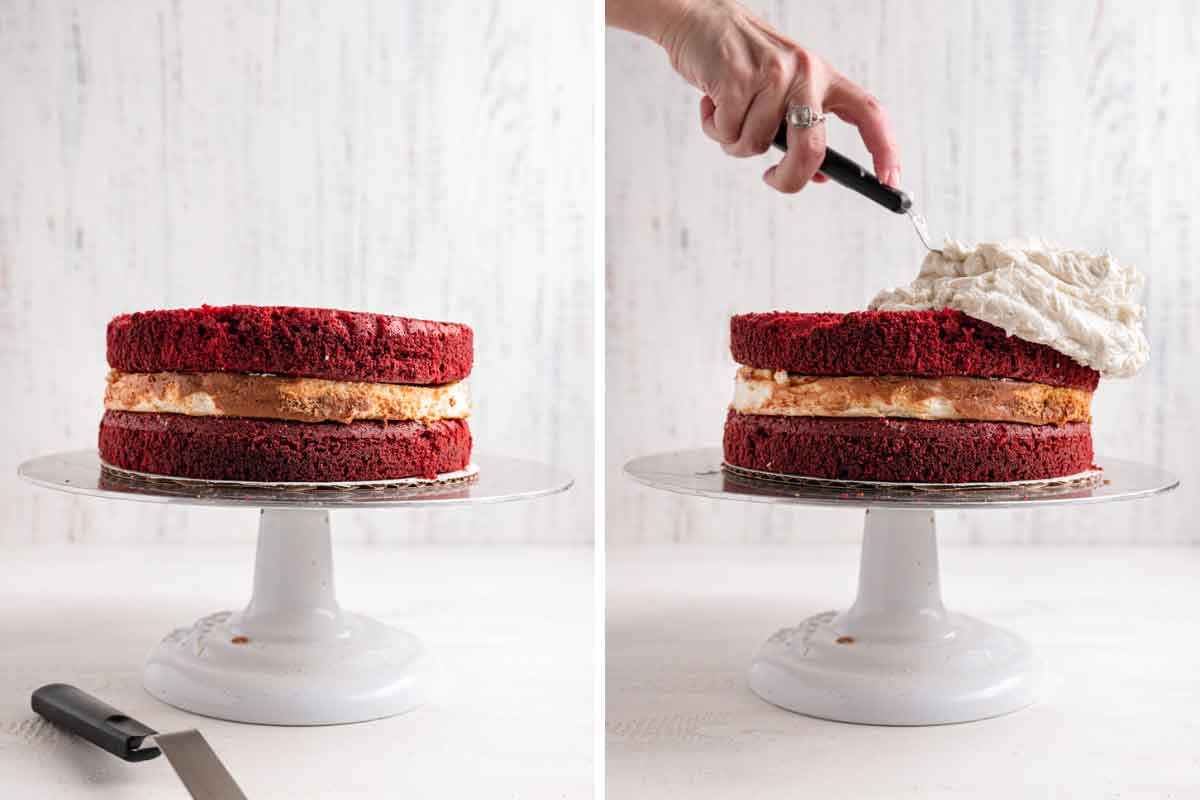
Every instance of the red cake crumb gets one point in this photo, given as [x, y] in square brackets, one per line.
[920, 343]
[242, 449]
[303, 342]
[904, 450]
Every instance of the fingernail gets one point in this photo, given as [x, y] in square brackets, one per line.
[893, 178]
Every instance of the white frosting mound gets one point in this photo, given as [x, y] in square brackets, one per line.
[1083, 305]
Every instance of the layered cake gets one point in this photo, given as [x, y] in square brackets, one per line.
[982, 370]
[280, 394]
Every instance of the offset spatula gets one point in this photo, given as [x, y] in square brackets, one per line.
[840, 169]
[202, 773]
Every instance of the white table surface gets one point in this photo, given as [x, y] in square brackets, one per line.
[511, 628]
[1117, 628]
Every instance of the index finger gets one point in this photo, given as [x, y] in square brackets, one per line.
[860, 108]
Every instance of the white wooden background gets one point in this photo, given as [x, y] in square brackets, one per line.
[419, 158]
[1077, 121]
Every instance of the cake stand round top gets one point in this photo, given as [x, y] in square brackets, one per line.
[701, 472]
[499, 480]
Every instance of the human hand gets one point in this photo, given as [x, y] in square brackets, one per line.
[751, 74]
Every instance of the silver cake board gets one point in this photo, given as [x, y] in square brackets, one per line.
[457, 476]
[1087, 478]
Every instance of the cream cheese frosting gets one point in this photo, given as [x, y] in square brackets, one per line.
[274, 397]
[1082, 305]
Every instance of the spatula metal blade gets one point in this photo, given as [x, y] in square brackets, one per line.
[198, 766]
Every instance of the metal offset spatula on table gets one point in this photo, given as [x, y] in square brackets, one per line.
[202, 773]
[840, 169]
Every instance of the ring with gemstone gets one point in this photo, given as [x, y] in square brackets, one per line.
[804, 117]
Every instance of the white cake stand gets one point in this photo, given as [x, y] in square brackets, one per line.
[293, 656]
[896, 656]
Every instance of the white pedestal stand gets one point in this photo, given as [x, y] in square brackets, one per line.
[293, 656]
[896, 656]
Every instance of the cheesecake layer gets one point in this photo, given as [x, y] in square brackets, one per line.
[779, 393]
[224, 394]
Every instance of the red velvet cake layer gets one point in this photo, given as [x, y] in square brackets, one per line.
[906, 450]
[304, 342]
[241, 449]
[919, 343]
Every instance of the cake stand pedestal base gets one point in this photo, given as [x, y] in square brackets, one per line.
[897, 656]
[293, 656]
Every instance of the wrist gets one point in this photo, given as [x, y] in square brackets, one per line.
[656, 20]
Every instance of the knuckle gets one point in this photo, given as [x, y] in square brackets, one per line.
[805, 61]
[728, 132]
[776, 71]
[745, 148]
[731, 90]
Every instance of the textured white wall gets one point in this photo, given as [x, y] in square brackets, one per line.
[418, 158]
[1076, 121]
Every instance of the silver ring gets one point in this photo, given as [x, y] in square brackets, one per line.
[804, 117]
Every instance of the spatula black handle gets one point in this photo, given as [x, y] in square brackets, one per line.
[94, 720]
[840, 169]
